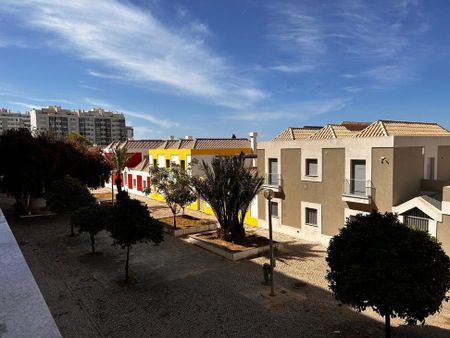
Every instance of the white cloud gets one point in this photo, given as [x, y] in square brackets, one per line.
[369, 35]
[293, 68]
[23, 104]
[297, 112]
[352, 89]
[163, 123]
[133, 43]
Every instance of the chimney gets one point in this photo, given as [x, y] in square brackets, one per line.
[188, 137]
[253, 145]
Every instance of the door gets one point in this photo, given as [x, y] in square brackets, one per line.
[130, 181]
[358, 177]
[139, 182]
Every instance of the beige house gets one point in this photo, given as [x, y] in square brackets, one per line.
[323, 176]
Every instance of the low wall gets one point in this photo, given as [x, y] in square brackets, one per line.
[23, 311]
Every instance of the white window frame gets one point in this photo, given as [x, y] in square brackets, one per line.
[318, 207]
[311, 154]
[308, 160]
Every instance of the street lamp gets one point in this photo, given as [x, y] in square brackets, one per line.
[268, 194]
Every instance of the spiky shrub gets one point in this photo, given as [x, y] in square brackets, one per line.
[175, 185]
[229, 187]
[377, 262]
[67, 195]
[131, 223]
[92, 219]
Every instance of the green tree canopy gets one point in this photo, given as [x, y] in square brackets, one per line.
[29, 164]
[131, 223]
[92, 219]
[175, 185]
[67, 195]
[79, 139]
[377, 262]
[229, 187]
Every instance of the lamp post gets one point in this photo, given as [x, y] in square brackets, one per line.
[268, 194]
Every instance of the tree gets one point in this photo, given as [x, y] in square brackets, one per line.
[175, 185]
[375, 261]
[119, 161]
[67, 195]
[131, 223]
[79, 139]
[91, 219]
[31, 163]
[229, 187]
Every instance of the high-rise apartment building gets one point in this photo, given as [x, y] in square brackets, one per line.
[10, 120]
[99, 126]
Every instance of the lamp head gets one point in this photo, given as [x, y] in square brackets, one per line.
[268, 194]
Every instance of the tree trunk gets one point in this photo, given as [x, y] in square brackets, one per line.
[387, 325]
[119, 184]
[92, 243]
[126, 264]
[174, 220]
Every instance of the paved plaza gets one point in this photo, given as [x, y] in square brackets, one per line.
[180, 290]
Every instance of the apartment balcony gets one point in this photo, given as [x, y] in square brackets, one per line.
[273, 181]
[357, 191]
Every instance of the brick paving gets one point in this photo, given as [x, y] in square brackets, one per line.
[180, 290]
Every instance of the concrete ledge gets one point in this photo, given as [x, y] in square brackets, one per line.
[233, 255]
[23, 311]
[188, 231]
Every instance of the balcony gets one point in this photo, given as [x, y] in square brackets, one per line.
[357, 191]
[273, 181]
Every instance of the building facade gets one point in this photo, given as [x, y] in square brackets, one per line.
[184, 152]
[99, 126]
[13, 121]
[323, 177]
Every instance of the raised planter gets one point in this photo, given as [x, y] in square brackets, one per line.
[189, 230]
[232, 255]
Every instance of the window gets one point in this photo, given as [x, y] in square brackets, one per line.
[274, 207]
[430, 168]
[311, 216]
[183, 165]
[155, 162]
[273, 178]
[167, 163]
[311, 167]
[144, 184]
[134, 182]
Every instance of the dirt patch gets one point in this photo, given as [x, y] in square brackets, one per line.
[249, 242]
[103, 196]
[185, 221]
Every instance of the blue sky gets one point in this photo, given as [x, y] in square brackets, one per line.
[214, 68]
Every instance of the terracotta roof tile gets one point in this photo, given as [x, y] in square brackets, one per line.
[295, 133]
[382, 128]
[333, 131]
[221, 143]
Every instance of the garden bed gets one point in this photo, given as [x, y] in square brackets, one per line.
[252, 246]
[187, 225]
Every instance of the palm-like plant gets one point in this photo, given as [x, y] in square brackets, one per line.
[119, 161]
[229, 187]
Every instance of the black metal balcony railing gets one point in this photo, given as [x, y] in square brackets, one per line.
[273, 179]
[357, 188]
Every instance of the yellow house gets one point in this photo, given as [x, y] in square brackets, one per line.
[184, 151]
